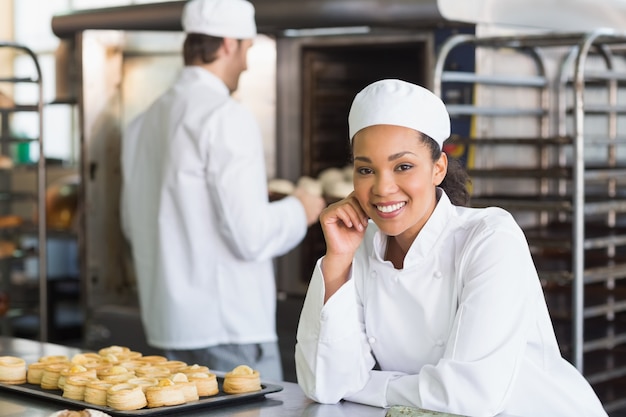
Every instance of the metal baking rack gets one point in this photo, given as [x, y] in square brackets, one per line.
[550, 148]
[26, 298]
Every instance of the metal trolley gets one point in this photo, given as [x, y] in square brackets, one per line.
[548, 143]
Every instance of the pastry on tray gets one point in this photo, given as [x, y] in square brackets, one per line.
[165, 393]
[35, 369]
[126, 397]
[194, 368]
[173, 366]
[206, 383]
[96, 392]
[12, 370]
[113, 350]
[74, 387]
[52, 373]
[151, 371]
[143, 382]
[75, 370]
[189, 388]
[153, 359]
[242, 379]
[115, 374]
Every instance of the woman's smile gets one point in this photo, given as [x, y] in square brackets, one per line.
[386, 210]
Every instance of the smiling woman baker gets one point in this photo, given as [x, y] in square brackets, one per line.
[428, 303]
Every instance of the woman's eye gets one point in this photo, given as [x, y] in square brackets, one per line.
[364, 171]
[404, 167]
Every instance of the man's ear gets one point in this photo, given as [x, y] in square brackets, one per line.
[229, 46]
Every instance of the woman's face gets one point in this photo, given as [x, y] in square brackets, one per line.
[395, 178]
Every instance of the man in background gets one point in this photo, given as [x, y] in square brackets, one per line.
[195, 205]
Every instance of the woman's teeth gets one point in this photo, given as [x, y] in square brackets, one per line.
[390, 208]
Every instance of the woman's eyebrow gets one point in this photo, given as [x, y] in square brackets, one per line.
[389, 158]
[399, 155]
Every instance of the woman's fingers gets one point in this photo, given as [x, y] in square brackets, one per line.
[348, 211]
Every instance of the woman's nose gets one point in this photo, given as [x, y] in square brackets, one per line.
[384, 184]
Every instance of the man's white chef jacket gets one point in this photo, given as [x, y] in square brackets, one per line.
[462, 328]
[195, 210]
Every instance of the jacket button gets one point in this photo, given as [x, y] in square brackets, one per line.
[373, 274]
[372, 340]
[439, 343]
[437, 274]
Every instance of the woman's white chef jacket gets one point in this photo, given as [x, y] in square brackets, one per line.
[462, 328]
[195, 210]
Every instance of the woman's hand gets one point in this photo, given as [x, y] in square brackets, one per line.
[343, 224]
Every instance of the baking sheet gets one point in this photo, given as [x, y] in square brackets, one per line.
[220, 400]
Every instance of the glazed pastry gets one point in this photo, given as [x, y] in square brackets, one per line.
[74, 387]
[126, 397]
[194, 368]
[206, 383]
[96, 392]
[166, 392]
[12, 370]
[35, 372]
[242, 379]
[152, 371]
[153, 359]
[75, 370]
[115, 374]
[128, 355]
[35, 369]
[143, 382]
[83, 358]
[113, 350]
[132, 364]
[54, 359]
[51, 375]
[110, 358]
[174, 366]
[190, 390]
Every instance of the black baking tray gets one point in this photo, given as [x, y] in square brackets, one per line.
[220, 400]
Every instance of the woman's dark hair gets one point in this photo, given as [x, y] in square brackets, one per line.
[200, 49]
[456, 180]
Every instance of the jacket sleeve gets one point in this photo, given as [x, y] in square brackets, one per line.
[254, 228]
[333, 358]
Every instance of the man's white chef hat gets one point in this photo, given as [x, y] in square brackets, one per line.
[399, 103]
[220, 18]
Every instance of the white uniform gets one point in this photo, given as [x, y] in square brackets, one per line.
[462, 328]
[195, 209]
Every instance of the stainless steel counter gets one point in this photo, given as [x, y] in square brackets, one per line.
[289, 402]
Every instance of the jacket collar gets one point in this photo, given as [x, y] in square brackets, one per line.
[195, 73]
[426, 241]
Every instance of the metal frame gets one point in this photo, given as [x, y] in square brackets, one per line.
[562, 114]
[41, 183]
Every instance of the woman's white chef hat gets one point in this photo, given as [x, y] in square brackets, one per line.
[399, 103]
[220, 18]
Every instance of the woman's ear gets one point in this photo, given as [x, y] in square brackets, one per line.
[440, 169]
